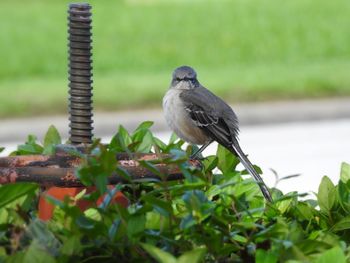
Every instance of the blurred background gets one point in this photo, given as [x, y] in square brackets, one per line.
[284, 66]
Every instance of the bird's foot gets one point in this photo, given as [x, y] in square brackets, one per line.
[198, 157]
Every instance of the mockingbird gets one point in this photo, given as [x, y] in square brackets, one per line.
[199, 117]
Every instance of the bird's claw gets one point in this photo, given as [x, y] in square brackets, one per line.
[198, 158]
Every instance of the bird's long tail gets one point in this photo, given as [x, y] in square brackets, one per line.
[236, 149]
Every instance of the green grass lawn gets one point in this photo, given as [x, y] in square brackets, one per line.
[245, 50]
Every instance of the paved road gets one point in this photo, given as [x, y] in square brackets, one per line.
[313, 141]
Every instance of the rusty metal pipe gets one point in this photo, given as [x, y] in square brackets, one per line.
[59, 170]
[68, 160]
[65, 177]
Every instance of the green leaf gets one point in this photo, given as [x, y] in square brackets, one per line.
[40, 232]
[136, 225]
[227, 161]
[158, 254]
[144, 125]
[155, 221]
[187, 222]
[93, 213]
[145, 139]
[1, 149]
[15, 258]
[344, 195]
[305, 211]
[284, 204]
[240, 238]
[163, 207]
[36, 254]
[194, 199]
[174, 145]
[109, 196]
[345, 172]
[150, 167]
[30, 147]
[326, 195]
[101, 183]
[71, 246]
[342, 224]
[123, 173]
[11, 192]
[120, 141]
[310, 246]
[194, 256]
[265, 256]
[114, 228]
[54, 201]
[125, 138]
[247, 188]
[108, 161]
[177, 156]
[210, 163]
[84, 222]
[161, 145]
[335, 254]
[80, 195]
[173, 138]
[191, 149]
[52, 138]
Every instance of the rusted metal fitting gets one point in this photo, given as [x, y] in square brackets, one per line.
[59, 170]
[80, 76]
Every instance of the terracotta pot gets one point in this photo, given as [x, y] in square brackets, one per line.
[46, 208]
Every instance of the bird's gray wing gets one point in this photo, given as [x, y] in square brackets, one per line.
[208, 114]
[205, 116]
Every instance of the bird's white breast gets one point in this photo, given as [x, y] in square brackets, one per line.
[178, 119]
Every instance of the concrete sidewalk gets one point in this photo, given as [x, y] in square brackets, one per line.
[16, 130]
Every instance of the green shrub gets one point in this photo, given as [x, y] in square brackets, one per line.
[215, 214]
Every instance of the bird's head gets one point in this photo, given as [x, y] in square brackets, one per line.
[184, 77]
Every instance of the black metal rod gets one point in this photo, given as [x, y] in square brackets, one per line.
[80, 75]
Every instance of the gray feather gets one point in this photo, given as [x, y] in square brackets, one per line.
[210, 108]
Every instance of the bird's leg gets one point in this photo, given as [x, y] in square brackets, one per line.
[194, 156]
